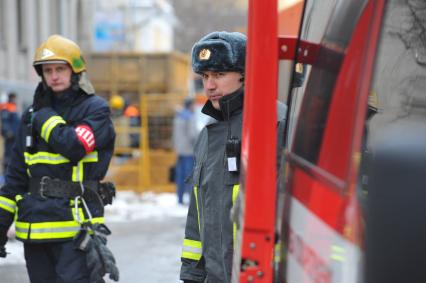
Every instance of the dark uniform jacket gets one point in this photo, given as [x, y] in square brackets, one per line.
[210, 235]
[73, 141]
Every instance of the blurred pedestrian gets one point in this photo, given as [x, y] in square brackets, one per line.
[184, 136]
[132, 113]
[116, 103]
[9, 127]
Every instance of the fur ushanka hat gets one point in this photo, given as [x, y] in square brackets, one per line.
[220, 51]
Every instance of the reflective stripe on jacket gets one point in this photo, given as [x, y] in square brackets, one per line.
[58, 153]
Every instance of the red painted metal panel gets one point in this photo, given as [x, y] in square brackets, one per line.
[344, 127]
[259, 141]
[334, 204]
[287, 49]
[349, 104]
[321, 194]
[327, 204]
[259, 122]
[364, 87]
[259, 133]
[336, 154]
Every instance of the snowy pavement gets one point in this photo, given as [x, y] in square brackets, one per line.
[130, 206]
[147, 232]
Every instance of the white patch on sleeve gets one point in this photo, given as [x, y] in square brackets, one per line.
[86, 137]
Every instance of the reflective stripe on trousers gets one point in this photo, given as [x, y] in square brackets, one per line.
[49, 230]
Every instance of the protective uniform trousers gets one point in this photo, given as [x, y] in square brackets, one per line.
[56, 263]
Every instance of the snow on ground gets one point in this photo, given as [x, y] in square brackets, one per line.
[130, 206]
[15, 253]
[127, 206]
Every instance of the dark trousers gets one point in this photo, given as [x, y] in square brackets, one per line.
[56, 263]
[183, 169]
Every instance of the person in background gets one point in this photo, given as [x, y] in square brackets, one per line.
[9, 127]
[116, 103]
[132, 113]
[184, 135]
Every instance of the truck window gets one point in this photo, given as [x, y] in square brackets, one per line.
[333, 35]
[315, 12]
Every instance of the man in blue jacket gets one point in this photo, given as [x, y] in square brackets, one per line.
[63, 148]
[184, 135]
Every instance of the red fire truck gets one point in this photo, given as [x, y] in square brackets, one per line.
[347, 202]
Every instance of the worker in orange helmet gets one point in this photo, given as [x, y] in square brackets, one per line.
[132, 113]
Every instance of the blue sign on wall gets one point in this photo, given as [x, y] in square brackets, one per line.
[109, 31]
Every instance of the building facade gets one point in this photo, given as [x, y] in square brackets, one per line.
[116, 25]
[24, 24]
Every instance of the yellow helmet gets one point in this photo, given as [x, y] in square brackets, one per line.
[58, 49]
[116, 102]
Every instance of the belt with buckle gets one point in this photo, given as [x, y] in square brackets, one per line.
[56, 188]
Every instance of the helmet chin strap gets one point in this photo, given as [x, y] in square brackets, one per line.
[45, 86]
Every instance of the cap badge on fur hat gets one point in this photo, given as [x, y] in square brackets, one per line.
[204, 54]
[219, 51]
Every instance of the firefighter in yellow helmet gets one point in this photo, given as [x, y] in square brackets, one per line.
[52, 186]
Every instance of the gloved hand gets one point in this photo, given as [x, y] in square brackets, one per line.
[42, 97]
[107, 192]
[100, 259]
[3, 252]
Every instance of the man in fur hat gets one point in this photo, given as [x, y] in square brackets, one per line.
[219, 58]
